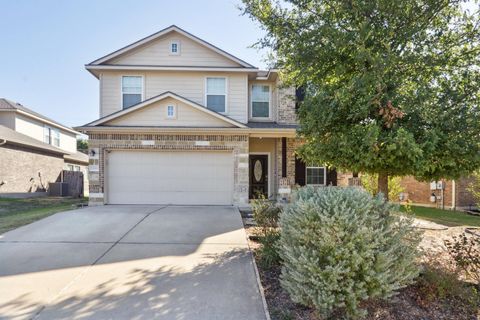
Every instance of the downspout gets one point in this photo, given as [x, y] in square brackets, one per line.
[454, 196]
[3, 142]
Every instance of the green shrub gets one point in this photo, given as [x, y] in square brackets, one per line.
[268, 252]
[266, 215]
[340, 246]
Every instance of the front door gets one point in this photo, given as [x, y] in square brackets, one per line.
[258, 175]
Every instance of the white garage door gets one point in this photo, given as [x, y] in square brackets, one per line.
[157, 177]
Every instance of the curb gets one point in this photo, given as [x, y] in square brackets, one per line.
[257, 275]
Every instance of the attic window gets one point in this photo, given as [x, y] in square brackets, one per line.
[171, 112]
[175, 47]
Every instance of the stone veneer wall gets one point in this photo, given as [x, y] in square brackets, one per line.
[286, 113]
[101, 143]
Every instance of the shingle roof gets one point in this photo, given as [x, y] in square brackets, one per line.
[6, 104]
[17, 138]
[77, 157]
[271, 125]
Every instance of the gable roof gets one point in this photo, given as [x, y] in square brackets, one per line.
[166, 94]
[159, 34]
[8, 105]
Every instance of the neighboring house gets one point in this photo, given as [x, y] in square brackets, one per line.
[34, 150]
[184, 122]
[455, 193]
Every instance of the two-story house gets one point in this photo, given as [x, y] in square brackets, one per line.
[184, 122]
[34, 150]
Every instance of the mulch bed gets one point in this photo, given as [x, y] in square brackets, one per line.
[408, 304]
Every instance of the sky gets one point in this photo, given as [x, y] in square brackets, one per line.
[46, 43]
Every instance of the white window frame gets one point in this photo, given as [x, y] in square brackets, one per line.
[47, 129]
[121, 88]
[226, 92]
[177, 42]
[53, 133]
[269, 118]
[324, 175]
[56, 133]
[174, 116]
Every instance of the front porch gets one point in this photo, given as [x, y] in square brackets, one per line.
[275, 171]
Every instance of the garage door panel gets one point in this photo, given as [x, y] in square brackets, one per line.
[141, 177]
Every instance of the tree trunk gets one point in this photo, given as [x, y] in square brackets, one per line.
[383, 184]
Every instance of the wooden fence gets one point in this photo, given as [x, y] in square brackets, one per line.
[75, 182]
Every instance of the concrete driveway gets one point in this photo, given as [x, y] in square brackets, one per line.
[130, 262]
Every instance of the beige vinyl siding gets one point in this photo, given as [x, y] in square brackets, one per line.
[190, 85]
[110, 93]
[156, 115]
[29, 127]
[7, 119]
[68, 141]
[158, 53]
[35, 129]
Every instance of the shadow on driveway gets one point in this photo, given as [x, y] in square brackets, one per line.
[166, 263]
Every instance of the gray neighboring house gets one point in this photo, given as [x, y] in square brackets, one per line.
[34, 150]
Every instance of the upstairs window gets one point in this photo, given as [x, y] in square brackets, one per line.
[316, 176]
[47, 134]
[132, 90]
[51, 136]
[175, 47]
[300, 96]
[216, 94]
[56, 137]
[260, 101]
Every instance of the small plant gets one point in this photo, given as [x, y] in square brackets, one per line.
[438, 282]
[266, 215]
[341, 246]
[465, 251]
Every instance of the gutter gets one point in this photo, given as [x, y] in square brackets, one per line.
[255, 132]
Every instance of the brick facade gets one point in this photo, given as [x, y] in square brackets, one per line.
[24, 170]
[102, 143]
[286, 113]
[419, 192]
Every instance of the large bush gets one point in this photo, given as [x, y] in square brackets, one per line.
[341, 246]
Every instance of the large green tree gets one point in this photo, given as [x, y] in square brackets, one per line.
[392, 87]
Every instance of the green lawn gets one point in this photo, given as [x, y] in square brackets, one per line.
[446, 217]
[18, 212]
